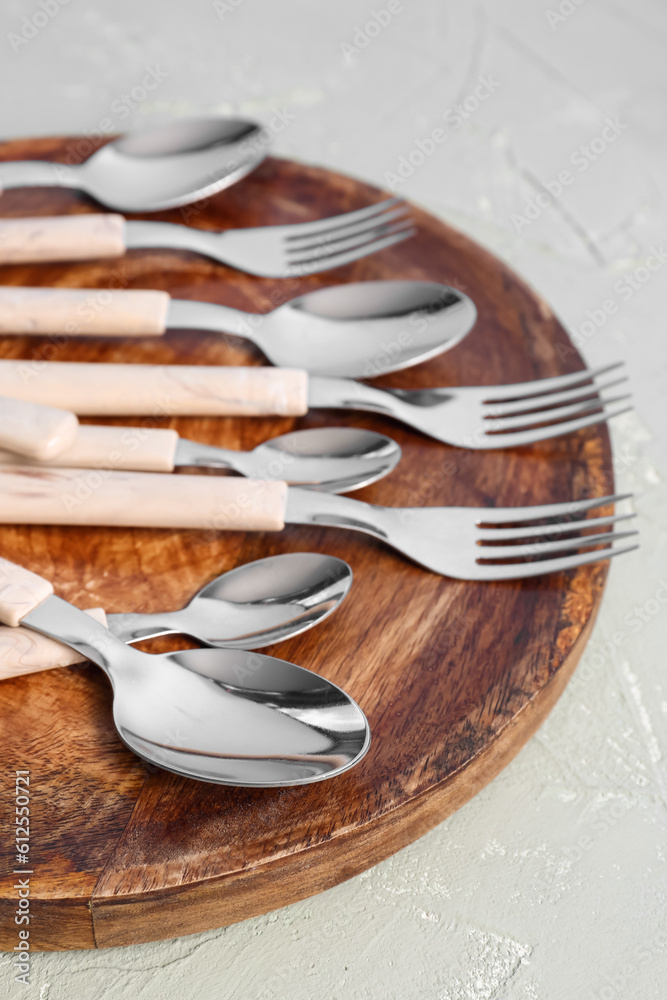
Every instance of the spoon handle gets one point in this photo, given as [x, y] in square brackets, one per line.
[20, 592]
[132, 449]
[103, 498]
[116, 390]
[36, 173]
[37, 432]
[65, 237]
[83, 312]
[23, 651]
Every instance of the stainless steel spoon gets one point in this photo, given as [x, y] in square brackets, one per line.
[333, 459]
[155, 168]
[330, 459]
[225, 716]
[252, 606]
[360, 330]
[249, 607]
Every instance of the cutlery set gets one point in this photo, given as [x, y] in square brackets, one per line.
[223, 713]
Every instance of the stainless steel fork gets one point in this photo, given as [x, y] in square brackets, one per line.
[468, 543]
[473, 543]
[488, 416]
[470, 417]
[269, 251]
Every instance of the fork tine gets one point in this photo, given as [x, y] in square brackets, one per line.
[537, 513]
[549, 400]
[545, 548]
[337, 260]
[559, 528]
[522, 390]
[325, 250]
[322, 226]
[518, 571]
[556, 415]
[514, 439]
[296, 244]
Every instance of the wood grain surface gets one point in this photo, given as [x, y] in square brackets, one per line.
[453, 676]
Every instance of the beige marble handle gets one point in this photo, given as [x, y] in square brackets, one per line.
[38, 432]
[63, 237]
[20, 592]
[83, 312]
[98, 390]
[132, 449]
[101, 498]
[23, 651]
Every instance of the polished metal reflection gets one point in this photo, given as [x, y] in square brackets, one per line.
[231, 717]
[357, 330]
[333, 459]
[159, 167]
[252, 606]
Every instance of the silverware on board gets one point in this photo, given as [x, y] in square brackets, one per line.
[227, 716]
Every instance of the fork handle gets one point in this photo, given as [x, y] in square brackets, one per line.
[99, 498]
[116, 390]
[38, 432]
[83, 312]
[23, 651]
[64, 237]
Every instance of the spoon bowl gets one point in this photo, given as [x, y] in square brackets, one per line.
[366, 329]
[239, 718]
[331, 459]
[227, 716]
[159, 167]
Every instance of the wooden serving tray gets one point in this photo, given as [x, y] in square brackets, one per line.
[454, 676]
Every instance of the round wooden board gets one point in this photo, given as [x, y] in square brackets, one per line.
[454, 676]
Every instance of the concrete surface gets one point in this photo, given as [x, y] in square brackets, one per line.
[552, 883]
